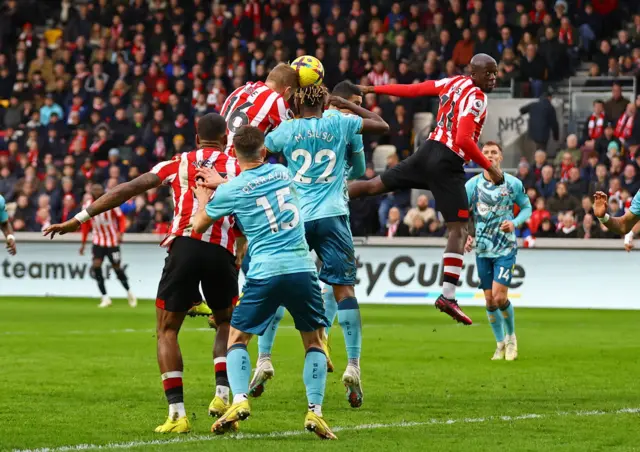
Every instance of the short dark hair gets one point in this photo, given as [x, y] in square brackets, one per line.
[248, 142]
[211, 127]
[493, 143]
[346, 89]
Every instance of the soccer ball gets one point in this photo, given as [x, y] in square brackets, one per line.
[310, 70]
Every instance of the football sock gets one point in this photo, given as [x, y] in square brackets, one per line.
[330, 307]
[314, 376]
[497, 324]
[239, 370]
[97, 274]
[265, 342]
[172, 383]
[509, 318]
[122, 276]
[349, 320]
[452, 265]
[222, 381]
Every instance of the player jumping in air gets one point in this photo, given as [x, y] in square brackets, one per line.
[315, 147]
[107, 229]
[204, 258]
[282, 271]
[7, 230]
[438, 165]
[496, 247]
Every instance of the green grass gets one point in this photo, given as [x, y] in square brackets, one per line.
[70, 374]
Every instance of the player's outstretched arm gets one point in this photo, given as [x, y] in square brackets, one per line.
[523, 201]
[358, 165]
[426, 88]
[371, 122]
[7, 230]
[619, 225]
[113, 198]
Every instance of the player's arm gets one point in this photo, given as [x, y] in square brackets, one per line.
[7, 230]
[113, 198]
[522, 200]
[426, 88]
[619, 225]
[631, 235]
[371, 122]
[470, 187]
[358, 164]
[211, 206]
[276, 140]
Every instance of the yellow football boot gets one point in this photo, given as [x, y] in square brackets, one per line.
[317, 425]
[218, 407]
[175, 424]
[229, 421]
[200, 309]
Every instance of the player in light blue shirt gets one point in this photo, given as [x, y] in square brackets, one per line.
[282, 271]
[7, 230]
[496, 247]
[316, 147]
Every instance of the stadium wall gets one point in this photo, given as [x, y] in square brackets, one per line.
[556, 273]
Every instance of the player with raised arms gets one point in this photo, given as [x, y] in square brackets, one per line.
[282, 271]
[495, 245]
[195, 258]
[315, 147]
[438, 165]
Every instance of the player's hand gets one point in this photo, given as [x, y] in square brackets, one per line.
[62, 228]
[628, 246]
[11, 246]
[81, 250]
[507, 226]
[339, 102]
[496, 175]
[202, 194]
[600, 204]
[210, 178]
[366, 89]
[241, 252]
[468, 247]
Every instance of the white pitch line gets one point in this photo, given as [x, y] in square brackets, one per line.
[286, 434]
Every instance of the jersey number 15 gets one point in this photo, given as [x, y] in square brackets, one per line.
[283, 206]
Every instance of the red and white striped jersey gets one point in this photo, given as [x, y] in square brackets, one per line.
[180, 174]
[253, 104]
[105, 227]
[459, 97]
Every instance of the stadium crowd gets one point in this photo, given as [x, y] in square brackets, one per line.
[99, 91]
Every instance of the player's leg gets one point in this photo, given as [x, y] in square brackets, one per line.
[96, 272]
[503, 268]
[264, 370]
[371, 187]
[220, 402]
[115, 259]
[485, 273]
[307, 309]
[330, 311]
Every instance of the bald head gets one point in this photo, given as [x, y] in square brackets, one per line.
[484, 70]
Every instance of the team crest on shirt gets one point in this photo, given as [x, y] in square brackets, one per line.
[483, 209]
[477, 107]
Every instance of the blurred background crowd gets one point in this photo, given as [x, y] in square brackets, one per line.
[99, 91]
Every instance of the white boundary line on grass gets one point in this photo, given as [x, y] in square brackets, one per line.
[240, 436]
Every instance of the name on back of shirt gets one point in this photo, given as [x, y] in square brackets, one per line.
[326, 136]
[258, 181]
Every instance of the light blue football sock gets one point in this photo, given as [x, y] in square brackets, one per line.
[497, 324]
[349, 320]
[314, 375]
[265, 342]
[238, 369]
[330, 307]
[509, 318]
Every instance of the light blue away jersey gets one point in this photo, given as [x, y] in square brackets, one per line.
[635, 205]
[4, 216]
[316, 153]
[265, 205]
[354, 145]
[492, 204]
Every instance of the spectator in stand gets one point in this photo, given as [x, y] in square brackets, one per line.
[546, 186]
[594, 126]
[624, 126]
[394, 227]
[572, 149]
[601, 58]
[565, 166]
[608, 145]
[542, 121]
[568, 229]
[555, 55]
[539, 162]
[464, 49]
[525, 175]
[533, 69]
[421, 210]
[576, 186]
[586, 208]
[547, 229]
[616, 105]
[589, 229]
[588, 172]
[48, 109]
[629, 179]
[400, 199]
[562, 201]
[538, 215]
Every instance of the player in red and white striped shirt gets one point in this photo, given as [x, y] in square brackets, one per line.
[106, 229]
[438, 164]
[261, 105]
[194, 260]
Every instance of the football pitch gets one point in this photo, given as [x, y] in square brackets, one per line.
[73, 377]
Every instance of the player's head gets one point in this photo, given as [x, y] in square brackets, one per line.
[493, 152]
[311, 99]
[97, 190]
[283, 79]
[348, 91]
[249, 145]
[211, 129]
[484, 71]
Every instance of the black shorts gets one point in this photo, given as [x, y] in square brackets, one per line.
[112, 252]
[437, 168]
[192, 263]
